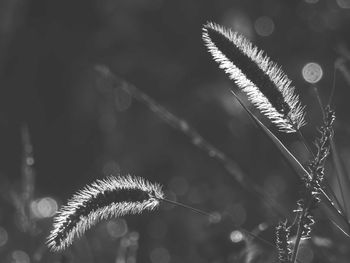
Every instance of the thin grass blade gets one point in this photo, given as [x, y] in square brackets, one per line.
[292, 161]
[335, 215]
[337, 220]
[343, 179]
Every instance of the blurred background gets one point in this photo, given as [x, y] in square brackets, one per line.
[91, 88]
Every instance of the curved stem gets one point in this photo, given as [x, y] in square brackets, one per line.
[297, 241]
[342, 195]
[186, 206]
[303, 140]
[196, 138]
[333, 86]
[211, 215]
[300, 231]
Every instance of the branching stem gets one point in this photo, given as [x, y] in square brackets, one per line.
[300, 230]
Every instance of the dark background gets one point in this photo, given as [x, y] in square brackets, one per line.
[81, 128]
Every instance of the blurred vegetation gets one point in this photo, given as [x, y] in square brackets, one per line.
[63, 124]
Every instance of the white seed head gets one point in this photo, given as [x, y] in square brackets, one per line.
[103, 199]
[265, 84]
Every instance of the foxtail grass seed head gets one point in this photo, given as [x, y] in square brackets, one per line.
[307, 223]
[266, 85]
[323, 145]
[103, 199]
[307, 220]
[283, 243]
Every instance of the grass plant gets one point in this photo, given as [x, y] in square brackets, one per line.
[269, 89]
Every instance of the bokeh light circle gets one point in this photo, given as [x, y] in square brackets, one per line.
[19, 256]
[343, 3]
[160, 255]
[117, 228]
[264, 26]
[3, 236]
[312, 72]
[236, 236]
[263, 226]
[44, 207]
[215, 217]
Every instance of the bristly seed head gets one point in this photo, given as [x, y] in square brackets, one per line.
[266, 85]
[111, 197]
[283, 242]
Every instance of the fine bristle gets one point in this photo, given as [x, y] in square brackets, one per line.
[111, 197]
[283, 243]
[266, 85]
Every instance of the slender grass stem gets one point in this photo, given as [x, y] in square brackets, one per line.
[331, 201]
[342, 195]
[294, 221]
[201, 212]
[300, 231]
[197, 140]
[297, 240]
[333, 86]
[303, 140]
[339, 171]
[319, 100]
[336, 202]
[209, 215]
